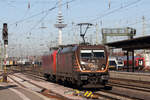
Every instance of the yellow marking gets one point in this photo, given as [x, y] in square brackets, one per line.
[89, 94]
[10, 62]
[86, 93]
[92, 95]
[1, 80]
[77, 91]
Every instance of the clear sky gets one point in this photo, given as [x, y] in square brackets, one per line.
[26, 17]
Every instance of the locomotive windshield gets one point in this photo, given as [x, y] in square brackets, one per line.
[92, 53]
[86, 53]
[90, 59]
[98, 53]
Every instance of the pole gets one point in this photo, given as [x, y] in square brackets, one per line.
[127, 61]
[1, 67]
[5, 70]
[96, 34]
[143, 18]
[132, 60]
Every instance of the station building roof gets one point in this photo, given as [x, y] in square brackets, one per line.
[133, 44]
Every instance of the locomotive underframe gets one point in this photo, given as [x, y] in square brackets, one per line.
[92, 79]
[81, 79]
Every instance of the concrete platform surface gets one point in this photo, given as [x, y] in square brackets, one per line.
[131, 75]
[9, 91]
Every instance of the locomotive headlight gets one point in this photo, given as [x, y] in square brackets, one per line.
[103, 67]
[83, 67]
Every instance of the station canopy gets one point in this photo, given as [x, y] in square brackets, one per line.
[132, 44]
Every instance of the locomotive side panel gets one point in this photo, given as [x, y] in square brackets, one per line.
[46, 64]
[54, 62]
[64, 64]
[49, 63]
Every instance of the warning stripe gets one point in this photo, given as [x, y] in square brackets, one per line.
[86, 93]
[89, 94]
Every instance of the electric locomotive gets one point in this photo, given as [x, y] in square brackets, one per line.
[82, 65]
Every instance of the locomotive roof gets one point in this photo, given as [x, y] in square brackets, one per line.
[72, 48]
[69, 45]
[54, 48]
[67, 49]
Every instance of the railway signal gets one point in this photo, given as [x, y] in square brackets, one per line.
[5, 34]
[5, 38]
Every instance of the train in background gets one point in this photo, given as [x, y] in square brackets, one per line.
[81, 65]
[115, 63]
[10, 63]
[139, 62]
[23, 62]
[146, 56]
[120, 63]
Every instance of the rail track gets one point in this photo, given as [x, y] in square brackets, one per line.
[130, 87]
[133, 83]
[101, 94]
[124, 86]
[41, 89]
[137, 90]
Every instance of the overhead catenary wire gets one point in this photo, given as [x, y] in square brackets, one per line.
[134, 23]
[115, 10]
[138, 19]
[47, 14]
[45, 11]
[45, 17]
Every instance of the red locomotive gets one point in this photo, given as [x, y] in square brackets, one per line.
[139, 62]
[82, 65]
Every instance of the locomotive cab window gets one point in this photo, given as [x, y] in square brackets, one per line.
[92, 53]
[86, 53]
[98, 53]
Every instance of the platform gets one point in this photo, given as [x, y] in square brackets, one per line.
[10, 91]
[138, 76]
